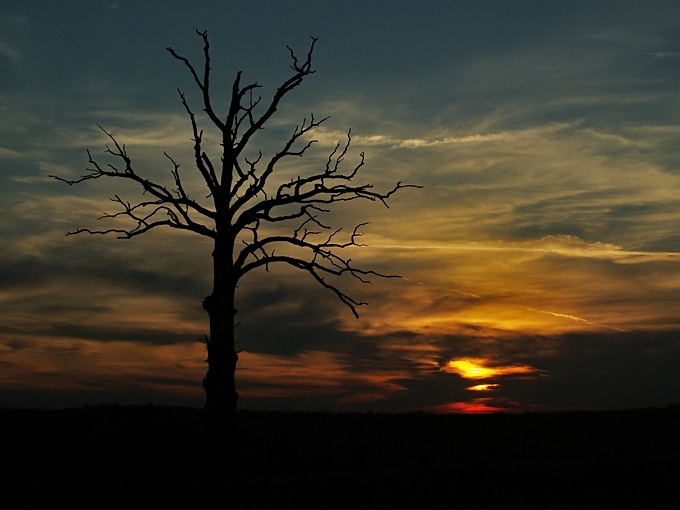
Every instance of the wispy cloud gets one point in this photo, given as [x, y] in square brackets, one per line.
[331, 137]
[8, 52]
[575, 318]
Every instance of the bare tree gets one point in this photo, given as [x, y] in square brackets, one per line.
[244, 208]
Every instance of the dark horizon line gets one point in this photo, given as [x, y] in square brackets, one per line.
[420, 412]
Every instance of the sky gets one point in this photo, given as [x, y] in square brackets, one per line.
[540, 261]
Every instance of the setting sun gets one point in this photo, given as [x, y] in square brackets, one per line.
[476, 368]
[484, 387]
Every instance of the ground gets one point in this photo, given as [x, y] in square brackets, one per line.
[148, 454]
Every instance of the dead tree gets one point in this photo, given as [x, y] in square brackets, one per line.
[243, 208]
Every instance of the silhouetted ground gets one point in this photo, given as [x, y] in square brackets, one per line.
[110, 456]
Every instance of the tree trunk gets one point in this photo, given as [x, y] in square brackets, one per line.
[219, 382]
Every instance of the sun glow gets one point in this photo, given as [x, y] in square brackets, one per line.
[476, 406]
[484, 387]
[477, 368]
[469, 368]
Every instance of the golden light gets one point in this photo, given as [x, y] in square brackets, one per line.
[484, 387]
[469, 368]
[477, 406]
[477, 368]
[271, 375]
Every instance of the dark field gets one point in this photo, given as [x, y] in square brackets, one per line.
[140, 456]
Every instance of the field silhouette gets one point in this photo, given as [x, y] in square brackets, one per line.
[142, 455]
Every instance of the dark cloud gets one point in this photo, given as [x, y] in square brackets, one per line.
[622, 370]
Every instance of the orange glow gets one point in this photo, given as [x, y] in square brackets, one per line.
[312, 372]
[470, 369]
[171, 368]
[440, 299]
[477, 368]
[484, 387]
[477, 406]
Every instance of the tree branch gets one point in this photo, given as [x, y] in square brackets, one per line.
[318, 189]
[175, 204]
[259, 183]
[320, 257]
[203, 163]
[247, 207]
[203, 83]
[301, 72]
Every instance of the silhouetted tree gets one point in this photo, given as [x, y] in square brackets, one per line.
[245, 209]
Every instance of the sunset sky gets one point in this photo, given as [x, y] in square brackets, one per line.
[540, 260]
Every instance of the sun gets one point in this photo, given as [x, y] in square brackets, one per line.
[470, 368]
[478, 368]
[484, 387]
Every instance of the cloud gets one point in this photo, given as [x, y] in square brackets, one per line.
[8, 52]
[484, 387]
[507, 289]
[476, 406]
[328, 137]
[87, 366]
[6, 153]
